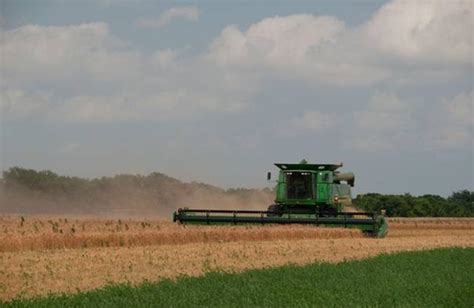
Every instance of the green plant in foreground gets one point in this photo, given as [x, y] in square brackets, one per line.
[443, 277]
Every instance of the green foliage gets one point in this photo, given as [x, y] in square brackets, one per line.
[440, 278]
[459, 204]
[49, 182]
[157, 188]
[44, 181]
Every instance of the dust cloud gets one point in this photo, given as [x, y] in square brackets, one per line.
[128, 198]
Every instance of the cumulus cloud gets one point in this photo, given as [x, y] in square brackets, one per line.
[66, 54]
[306, 46]
[86, 73]
[427, 31]
[186, 13]
[427, 34]
[276, 41]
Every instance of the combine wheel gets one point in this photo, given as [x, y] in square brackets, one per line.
[275, 211]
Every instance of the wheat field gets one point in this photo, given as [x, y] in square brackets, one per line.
[42, 255]
[23, 234]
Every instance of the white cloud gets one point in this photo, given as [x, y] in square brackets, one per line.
[32, 54]
[276, 41]
[90, 75]
[304, 46]
[187, 13]
[407, 41]
[435, 31]
[85, 73]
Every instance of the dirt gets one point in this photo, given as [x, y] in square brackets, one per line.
[27, 270]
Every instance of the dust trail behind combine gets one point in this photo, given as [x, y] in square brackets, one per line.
[126, 196]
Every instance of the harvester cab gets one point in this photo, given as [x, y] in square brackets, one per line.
[308, 188]
[305, 194]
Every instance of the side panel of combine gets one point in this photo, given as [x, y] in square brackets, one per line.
[323, 193]
[281, 188]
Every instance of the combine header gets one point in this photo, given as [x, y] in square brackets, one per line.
[305, 194]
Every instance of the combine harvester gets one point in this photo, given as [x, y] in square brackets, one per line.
[313, 194]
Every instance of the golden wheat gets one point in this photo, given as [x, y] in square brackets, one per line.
[36, 234]
[33, 262]
[34, 273]
[33, 233]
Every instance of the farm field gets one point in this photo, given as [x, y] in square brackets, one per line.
[428, 278]
[42, 255]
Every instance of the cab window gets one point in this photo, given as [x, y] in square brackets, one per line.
[299, 185]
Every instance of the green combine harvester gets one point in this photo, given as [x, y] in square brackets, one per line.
[313, 194]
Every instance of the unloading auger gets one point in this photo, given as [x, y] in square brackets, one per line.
[313, 194]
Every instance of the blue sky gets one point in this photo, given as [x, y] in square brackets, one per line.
[217, 91]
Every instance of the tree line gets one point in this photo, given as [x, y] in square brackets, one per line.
[458, 204]
[159, 192]
[49, 182]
